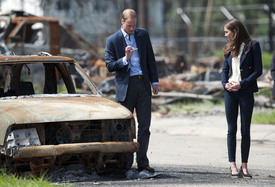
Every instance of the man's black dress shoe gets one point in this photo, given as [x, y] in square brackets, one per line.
[147, 168]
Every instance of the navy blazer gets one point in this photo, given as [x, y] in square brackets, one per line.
[115, 51]
[250, 67]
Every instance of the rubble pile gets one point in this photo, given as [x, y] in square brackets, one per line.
[198, 77]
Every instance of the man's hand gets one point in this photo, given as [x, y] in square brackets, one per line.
[155, 88]
[129, 52]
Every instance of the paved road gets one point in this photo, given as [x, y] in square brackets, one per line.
[191, 151]
[198, 144]
[202, 141]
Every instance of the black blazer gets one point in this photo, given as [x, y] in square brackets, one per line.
[250, 67]
[115, 51]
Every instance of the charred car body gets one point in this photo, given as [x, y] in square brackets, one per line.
[52, 114]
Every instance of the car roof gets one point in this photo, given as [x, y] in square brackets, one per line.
[16, 59]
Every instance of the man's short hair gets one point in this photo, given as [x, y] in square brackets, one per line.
[128, 14]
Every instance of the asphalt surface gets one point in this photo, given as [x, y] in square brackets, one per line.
[191, 151]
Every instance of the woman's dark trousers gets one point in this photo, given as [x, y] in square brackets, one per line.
[234, 101]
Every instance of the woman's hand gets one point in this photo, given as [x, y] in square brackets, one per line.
[233, 86]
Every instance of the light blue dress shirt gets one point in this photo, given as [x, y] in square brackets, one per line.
[134, 61]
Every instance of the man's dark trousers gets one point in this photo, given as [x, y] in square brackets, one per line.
[138, 98]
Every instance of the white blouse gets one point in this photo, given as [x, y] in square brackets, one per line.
[236, 73]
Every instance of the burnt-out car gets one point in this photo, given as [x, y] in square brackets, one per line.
[51, 114]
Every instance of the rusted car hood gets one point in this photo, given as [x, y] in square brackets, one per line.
[20, 110]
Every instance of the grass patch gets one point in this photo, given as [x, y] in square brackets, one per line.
[191, 107]
[264, 116]
[61, 88]
[265, 92]
[205, 107]
[266, 57]
[12, 180]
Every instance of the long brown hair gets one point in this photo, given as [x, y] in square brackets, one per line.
[240, 35]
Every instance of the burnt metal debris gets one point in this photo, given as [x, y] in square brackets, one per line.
[26, 34]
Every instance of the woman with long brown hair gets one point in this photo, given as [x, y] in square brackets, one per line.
[242, 66]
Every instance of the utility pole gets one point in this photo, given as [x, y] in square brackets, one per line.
[208, 17]
[271, 14]
[188, 24]
[271, 26]
[22, 5]
[142, 14]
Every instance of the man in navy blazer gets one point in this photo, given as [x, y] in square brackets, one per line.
[130, 55]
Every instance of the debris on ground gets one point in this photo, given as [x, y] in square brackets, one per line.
[134, 174]
[72, 173]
